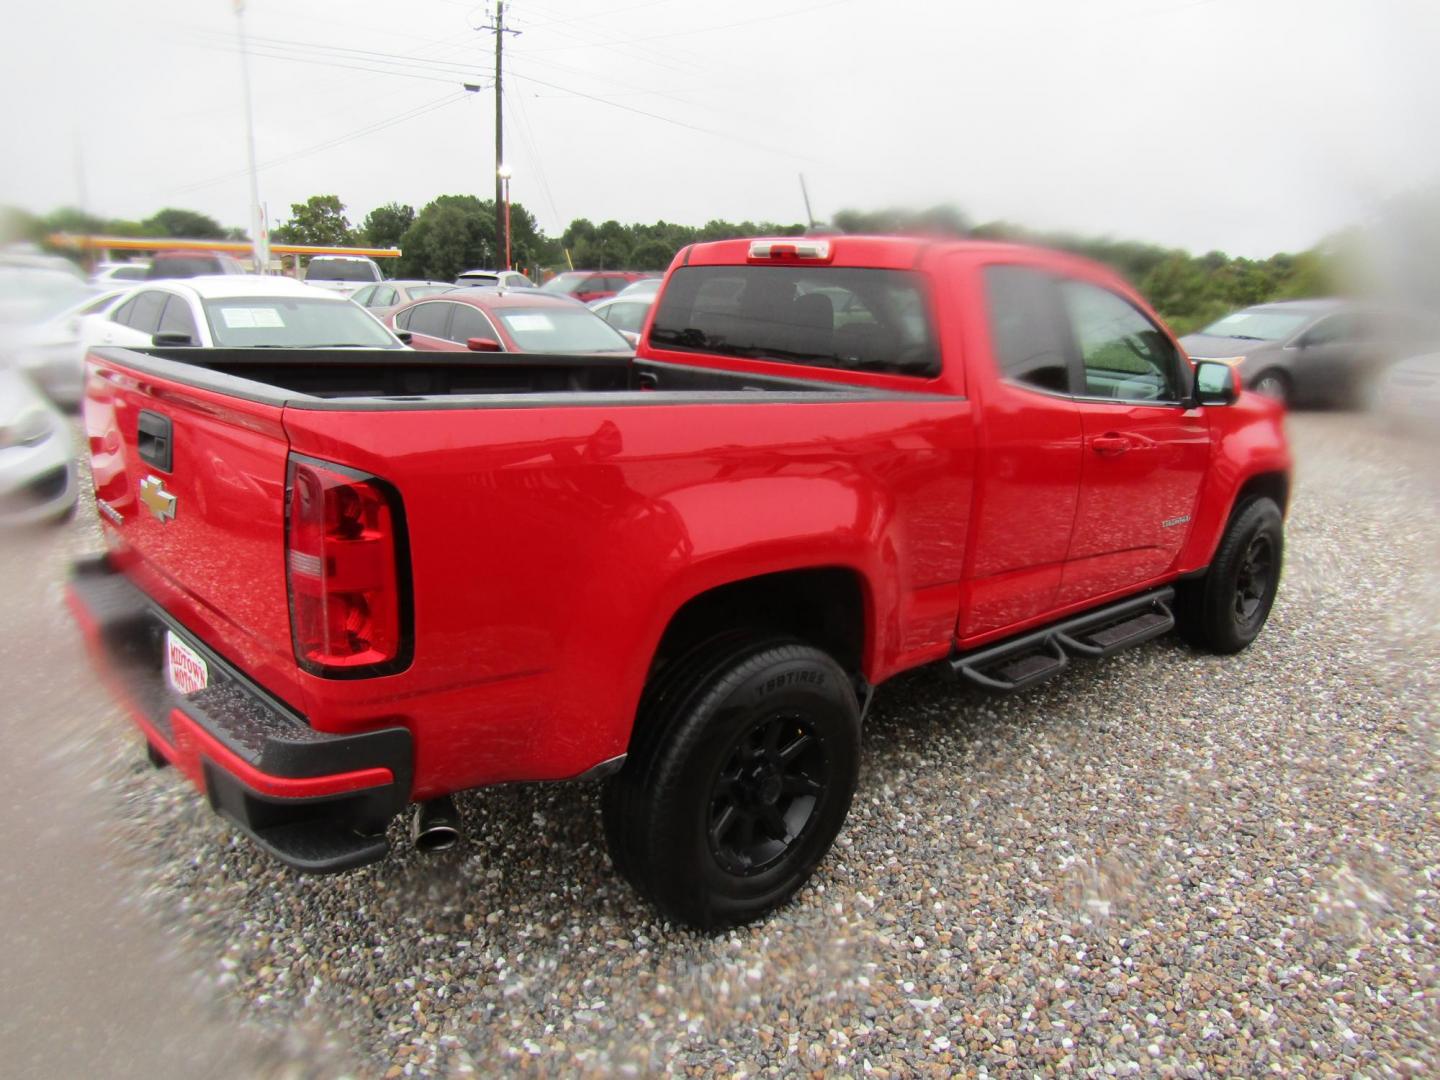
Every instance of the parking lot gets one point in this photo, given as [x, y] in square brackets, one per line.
[1164, 863]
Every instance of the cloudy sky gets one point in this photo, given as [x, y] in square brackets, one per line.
[1245, 125]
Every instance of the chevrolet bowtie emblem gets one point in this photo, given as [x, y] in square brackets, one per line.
[159, 501]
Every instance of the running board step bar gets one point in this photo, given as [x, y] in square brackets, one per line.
[1034, 657]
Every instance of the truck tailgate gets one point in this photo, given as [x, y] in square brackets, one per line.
[190, 485]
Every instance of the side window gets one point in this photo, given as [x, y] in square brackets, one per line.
[122, 313]
[402, 320]
[381, 297]
[147, 311]
[1027, 328]
[1332, 331]
[362, 296]
[468, 322]
[430, 319]
[178, 320]
[626, 316]
[1126, 356]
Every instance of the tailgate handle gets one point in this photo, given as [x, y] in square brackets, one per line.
[155, 439]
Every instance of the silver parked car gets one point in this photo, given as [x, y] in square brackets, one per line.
[37, 460]
[384, 298]
[1309, 352]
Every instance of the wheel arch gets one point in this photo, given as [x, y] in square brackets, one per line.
[824, 606]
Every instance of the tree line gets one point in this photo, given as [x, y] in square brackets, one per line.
[453, 233]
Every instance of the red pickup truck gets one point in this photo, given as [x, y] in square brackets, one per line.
[337, 584]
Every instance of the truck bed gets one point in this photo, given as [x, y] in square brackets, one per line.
[356, 378]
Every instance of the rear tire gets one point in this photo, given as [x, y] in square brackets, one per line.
[1224, 611]
[739, 778]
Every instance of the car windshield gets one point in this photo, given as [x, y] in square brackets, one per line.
[290, 323]
[477, 279]
[560, 329]
[1259, 324]
[341, 270]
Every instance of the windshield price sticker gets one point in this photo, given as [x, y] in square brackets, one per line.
[522, 323]
[247, 318]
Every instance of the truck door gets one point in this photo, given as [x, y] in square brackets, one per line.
[1028, 474]
[1145, 451]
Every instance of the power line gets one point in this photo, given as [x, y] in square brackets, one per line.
[664, 119]
[400, 71]
[528, 137]
[725, 26]
[329, 144]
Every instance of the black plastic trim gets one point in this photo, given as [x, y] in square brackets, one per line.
[316, 835]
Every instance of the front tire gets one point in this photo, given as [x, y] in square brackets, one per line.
[1224, 611]
[740, 776]
[1273, 384]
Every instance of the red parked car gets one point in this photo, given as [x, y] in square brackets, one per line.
[588, 285]
[505, 320]
[336, 585]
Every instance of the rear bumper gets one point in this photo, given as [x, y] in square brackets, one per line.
[318, 803]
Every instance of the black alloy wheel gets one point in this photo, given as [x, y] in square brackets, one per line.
[1253, 579]
[1225, 610]
[764, 796]
[744, 759]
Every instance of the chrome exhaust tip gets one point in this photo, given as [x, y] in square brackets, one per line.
[436, 825]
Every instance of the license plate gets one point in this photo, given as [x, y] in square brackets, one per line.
[185, 669]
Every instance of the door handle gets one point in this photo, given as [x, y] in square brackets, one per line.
[1110, 444]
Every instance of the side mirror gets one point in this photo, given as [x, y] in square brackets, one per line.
[171, 340]
[1216, 384]
[405, 336]
[484, 344]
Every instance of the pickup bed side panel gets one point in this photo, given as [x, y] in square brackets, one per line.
[551, 546]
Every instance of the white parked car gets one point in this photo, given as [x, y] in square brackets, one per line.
[505, 279]
[110, 274]
[238, 311]
[342, 273]
[52, 352]
[37, 458]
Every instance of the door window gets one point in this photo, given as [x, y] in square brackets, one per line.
[1027, 328]
[626, 316]
[430, 319]
[468, 323]
[178, 320]
[380, 297]
[363, 296]
[1332, 331]
[145, 311]
[1126, 357]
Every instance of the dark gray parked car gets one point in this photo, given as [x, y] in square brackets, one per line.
[1309, 352]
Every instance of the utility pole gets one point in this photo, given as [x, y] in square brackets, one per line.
[259, 225]
[499, 29]
[806, 196]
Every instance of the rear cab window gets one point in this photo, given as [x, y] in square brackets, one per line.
[846, 318]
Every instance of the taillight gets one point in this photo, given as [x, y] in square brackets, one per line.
[344, 569]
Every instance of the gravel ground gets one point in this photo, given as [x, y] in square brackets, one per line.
[1163, 863]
